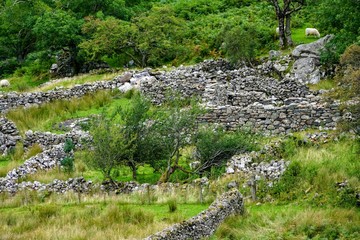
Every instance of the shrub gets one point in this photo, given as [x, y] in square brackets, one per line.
[172, 204]
[240, 45]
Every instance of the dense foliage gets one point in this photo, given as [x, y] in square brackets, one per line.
[36, 33]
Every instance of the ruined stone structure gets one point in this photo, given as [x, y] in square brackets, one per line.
[245, 97]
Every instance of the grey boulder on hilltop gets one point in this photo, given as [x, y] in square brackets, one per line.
[306, 67]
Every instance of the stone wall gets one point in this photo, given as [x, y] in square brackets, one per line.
[9, 135]
[48, 139]
[14, 99]
[234, 97]
[205, 224]
[246, 97]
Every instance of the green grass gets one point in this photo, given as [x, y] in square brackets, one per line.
[46, 116]
[110, 219]
[325, 84]
[298, 36]
[31, 84]
[271, 221]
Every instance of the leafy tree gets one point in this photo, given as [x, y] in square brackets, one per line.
[17, 19]
[177, 125]
[240, 45]
[339, 17]
[109, 37]
[139, 135]
[214, 146]
[108, 147]
[160, 36]
[151, 39]
[59, 30]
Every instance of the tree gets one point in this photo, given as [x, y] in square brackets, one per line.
[283, 11]
[240, 45]
[59, 30]
[342, 18]
[177, 125]
[17, 19]
[108, 147]
[214, 147]
[109, 37]
[150, 39]
[139, 134]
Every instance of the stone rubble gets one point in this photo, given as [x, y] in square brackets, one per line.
[245, 163]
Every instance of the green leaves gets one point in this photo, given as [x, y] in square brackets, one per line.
[57, 29]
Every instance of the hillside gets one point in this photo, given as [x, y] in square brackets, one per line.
[157, 112]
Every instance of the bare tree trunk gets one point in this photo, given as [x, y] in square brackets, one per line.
[282, 40]
[132, 165]
[289, 40]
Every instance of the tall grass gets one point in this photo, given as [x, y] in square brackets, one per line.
[71, 82]
[23, 83]
[44, 117]
[89, 220]
[316, 173]
[16, 157]
[291, 222]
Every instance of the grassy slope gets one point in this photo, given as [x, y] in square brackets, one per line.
[292, 221]
[90, 220]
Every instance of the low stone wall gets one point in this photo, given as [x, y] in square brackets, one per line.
[276, 119]
[206, 223]
[46, 160]
[48, 139]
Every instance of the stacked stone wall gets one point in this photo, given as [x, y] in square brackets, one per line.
[205, 224]
[246, 97]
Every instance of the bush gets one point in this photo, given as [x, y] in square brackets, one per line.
[172, 204]
[68, 164]
[286, 187]
[240, 45]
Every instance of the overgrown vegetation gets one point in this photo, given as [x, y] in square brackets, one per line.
[134, 140]
[152, 33]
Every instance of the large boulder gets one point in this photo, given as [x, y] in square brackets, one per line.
[311, 50]
[306, 68]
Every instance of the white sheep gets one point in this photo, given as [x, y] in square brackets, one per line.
[4, 83]
[312, 32]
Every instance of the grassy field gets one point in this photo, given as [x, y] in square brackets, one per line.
[46, 116]
[92, 219]
[305, 204]
[291, 221]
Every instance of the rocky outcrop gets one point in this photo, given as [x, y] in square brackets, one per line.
[307, 64]
[206, 223]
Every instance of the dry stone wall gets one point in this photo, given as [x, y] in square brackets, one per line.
[246, 97]
[204, 224]
[9, 135]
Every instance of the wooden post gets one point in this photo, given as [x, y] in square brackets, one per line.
[253, 188]
[148, 193]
